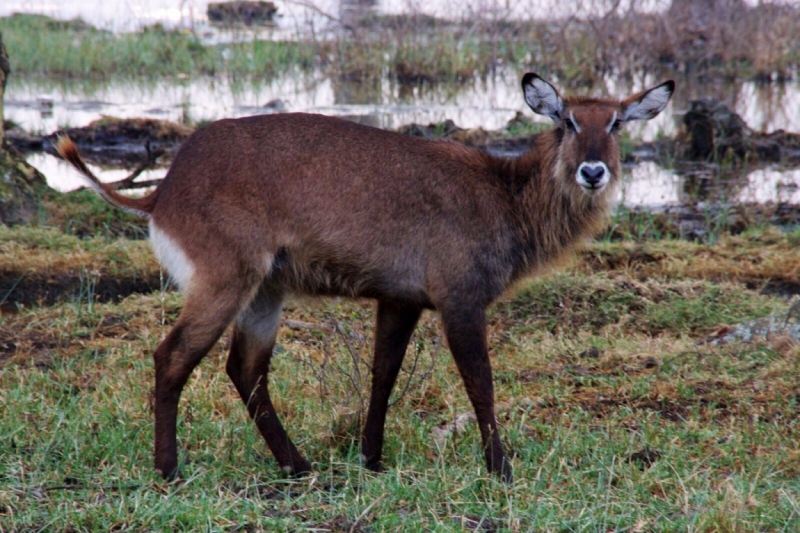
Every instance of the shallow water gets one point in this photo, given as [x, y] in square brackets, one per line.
[643, 185]
[44, 106]
[649, 185]
[62, 177]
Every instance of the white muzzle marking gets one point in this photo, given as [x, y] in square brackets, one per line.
[593, 176]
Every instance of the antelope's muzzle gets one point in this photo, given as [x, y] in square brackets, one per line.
[593, 176]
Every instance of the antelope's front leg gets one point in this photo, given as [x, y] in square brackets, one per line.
[465, 329]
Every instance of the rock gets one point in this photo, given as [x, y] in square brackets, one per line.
[23, 141]
[114, 130]
[520, 123]
[471, 137]
[277, 105]
[431, 131]
[124, 142]
[242, 12]
[447, 130]
[714, 130]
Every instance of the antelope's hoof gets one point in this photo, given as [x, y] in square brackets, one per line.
[169, 474]
[506, 473]
[373, 464]
[298, 471]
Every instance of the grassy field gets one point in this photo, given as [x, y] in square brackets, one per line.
[621, 411]
[75, 49]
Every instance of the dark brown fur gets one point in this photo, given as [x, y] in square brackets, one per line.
[269, 205]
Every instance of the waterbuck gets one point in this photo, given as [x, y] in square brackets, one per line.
[255, 208]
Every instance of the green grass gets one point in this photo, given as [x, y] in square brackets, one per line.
[84, 214]
[652, 432]
[418, 50]
[51, 252]
[63, 50]
[567, 302]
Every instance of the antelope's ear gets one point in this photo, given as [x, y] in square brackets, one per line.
[541, 96]
[647, 104]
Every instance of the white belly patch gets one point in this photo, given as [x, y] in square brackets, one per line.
[172, 257]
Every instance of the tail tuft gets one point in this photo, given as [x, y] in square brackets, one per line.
[66, 148]
[141, 206]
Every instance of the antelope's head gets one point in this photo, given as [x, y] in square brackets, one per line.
[589, 129]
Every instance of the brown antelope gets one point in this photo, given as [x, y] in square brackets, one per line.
[255, 208]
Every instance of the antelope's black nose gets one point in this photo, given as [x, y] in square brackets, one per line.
[592, 174]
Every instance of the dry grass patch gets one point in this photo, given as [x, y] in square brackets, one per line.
[41, 266]
[755, 258]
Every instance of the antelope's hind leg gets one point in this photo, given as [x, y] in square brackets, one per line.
[248, 367]
[208, 311]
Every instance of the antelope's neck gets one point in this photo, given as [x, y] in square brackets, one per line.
[553, 216]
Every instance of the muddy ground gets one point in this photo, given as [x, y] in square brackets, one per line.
[44, 270]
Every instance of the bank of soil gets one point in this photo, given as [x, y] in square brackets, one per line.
[45, 269]
[711, 132]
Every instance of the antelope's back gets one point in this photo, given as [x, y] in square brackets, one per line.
[325, 195]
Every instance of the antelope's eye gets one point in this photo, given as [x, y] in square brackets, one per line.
[569, 125]
[616, 125]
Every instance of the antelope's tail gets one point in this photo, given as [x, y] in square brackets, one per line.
[140, 206]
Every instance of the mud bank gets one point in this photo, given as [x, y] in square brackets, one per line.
[711, 132]
[44, 267]
[31, 289]
[112, 141]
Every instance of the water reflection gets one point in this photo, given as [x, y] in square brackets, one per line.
[764, 107]
[772, 185]
[487, 103]
[643, 185]
[649, 185]
[62, 177]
